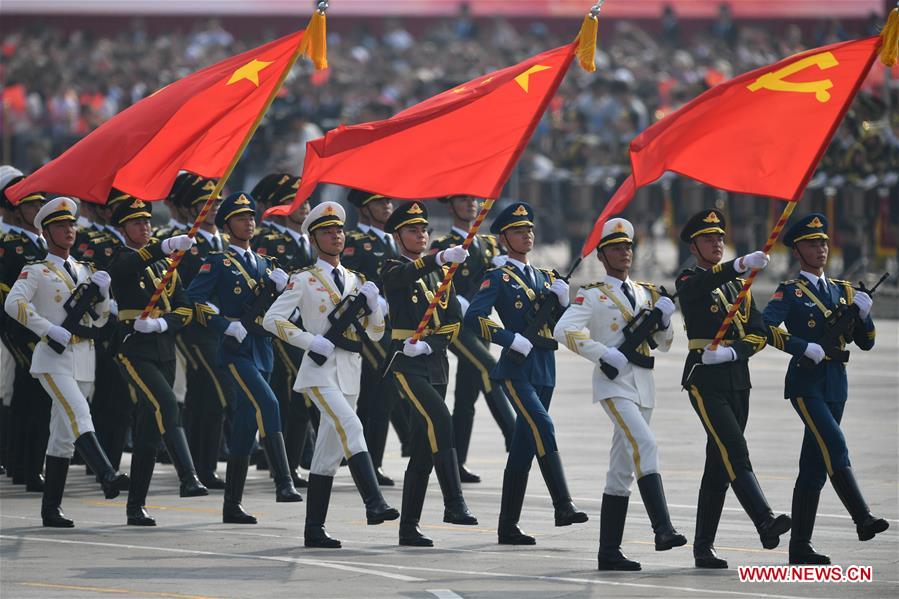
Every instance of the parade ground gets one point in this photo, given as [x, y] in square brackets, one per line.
[192, 554]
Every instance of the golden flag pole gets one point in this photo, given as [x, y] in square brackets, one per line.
[311, 44]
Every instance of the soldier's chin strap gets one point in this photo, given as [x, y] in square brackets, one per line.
[314, 240]
[699, 251]
[510, 246]
[399, 239]
[231, 233]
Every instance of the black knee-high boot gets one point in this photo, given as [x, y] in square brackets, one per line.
[363, 472]
[747, 489]
[455, 510]
[554, 476]
[176, 446]
[611, 530]
[850, 494]
[805, 508]
[317, 499]
[51, 510]
[653, 495]
[277, 455]
[708, 514]
[112, 482]
[415, 486]
[142, 464]
[235, 478]
[514, 486]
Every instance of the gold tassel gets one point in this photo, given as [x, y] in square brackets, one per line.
[314, 44]
[586, 43]
[889, 44]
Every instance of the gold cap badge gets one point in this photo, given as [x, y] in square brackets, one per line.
[520, 211]
[711, 218]
[415, 209]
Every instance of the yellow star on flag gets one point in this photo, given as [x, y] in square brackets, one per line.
[249, 71]
[524, 78]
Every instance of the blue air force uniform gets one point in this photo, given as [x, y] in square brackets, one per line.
[818, 394]
[516, 290]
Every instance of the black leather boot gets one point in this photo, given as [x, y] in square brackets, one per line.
[317, 498]
[461, 440]
[611, 529]
[142, 465]
[502, 412]
[847, 489]
[235, 477]
[363, 472]
[208, 451]
[708, 514]
[51, 512]
[747, 489]
[415, 486]
[176, 446]
[554, 475]
[112, 482]
[514, 486]
[805, 508]
[285, 492]
[455, 510]
[383, 479]
[653, 494]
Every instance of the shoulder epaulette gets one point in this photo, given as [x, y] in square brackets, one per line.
[789, 282]
[356, 235]
[841, 282]
[595, 285]
[646, 284]
[30, 262]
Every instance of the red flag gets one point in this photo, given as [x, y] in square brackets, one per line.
[761, 133]
[195, 124]
[463, 141]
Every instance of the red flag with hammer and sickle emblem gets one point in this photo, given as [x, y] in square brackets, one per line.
[761, 133]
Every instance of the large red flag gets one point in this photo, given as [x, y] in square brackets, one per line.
[196, 124]
[463, 141]
[761, 133]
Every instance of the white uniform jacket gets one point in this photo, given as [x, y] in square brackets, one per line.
[36, 301]
[595, 321]
[312, 291]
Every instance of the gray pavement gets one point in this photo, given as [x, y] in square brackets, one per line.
[192, 554]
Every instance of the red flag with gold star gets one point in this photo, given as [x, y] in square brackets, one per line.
[464, 141]
[762, 133]
[196, 124]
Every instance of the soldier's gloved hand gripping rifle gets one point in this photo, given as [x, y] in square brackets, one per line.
[265, 296]
[637, 331]
[347, 313]
[82, 301]
[544, 315]
[840, 323]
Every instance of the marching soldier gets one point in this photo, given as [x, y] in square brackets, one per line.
[37, 301]
[420, 370]
[208, 396]
[290, 247]
[592, 327]
[718, 381]
[145, 351]
[515, 290]
[334, 386]
[475, 361]
[818, 393]
[366, 252]
[221, 291]
[29, 411]
[177, 210]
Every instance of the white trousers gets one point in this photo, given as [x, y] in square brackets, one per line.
[634, 450]
[70, 416]
[339, 431]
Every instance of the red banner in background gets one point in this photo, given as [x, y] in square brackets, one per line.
[706, 9]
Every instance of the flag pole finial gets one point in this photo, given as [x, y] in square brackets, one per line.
[889, 46]
[315, 40]
[586, 38]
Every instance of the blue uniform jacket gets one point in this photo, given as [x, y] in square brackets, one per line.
[502, 291]
[805, 322]
[225, 281]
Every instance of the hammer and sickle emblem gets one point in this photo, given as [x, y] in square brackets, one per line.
[774, 80]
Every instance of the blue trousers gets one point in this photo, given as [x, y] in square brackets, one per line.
[534, 432]
[255, 406]
[823, 446]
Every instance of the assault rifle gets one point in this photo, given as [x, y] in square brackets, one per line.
[81, 302]
[637, 331]
[265, 296]
[347, 313]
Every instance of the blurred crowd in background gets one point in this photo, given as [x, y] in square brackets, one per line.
[59, 85]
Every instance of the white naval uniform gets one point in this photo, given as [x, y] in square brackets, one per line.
[333, 386]
[36, 301]
[593, 323]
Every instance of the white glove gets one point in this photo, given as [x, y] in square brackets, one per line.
[416, 349]
[102, 279]
[720, 355]
[464, 303]
[815, 352]
[279, 278]
[237, 330]
[371, 293]
[321, 346]
[754, 261]
[500, 260]
[521, 345]
[560, 288]
[59, 335]
[615, 359]
[113, 307]
[666, 307]
[864, 302]
[150, 325]
[180, 243]
[455, 255]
